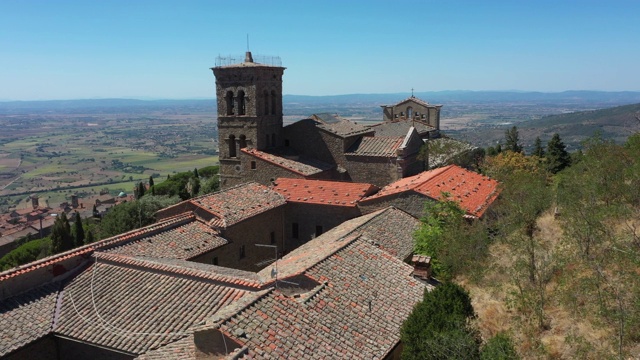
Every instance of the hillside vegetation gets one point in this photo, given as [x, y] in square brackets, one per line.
[555, 265]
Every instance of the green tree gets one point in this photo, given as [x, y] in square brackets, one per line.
[439, 326]
[78, 231]
[557, 156]
[538, 150]
[132, 215]
[209, 171]
[512, 140]
[26, 253]
[195, 173]
[61, 239]
[455, 245]
[150, 181]
[499, 347]
[90, 238]
[140, 192]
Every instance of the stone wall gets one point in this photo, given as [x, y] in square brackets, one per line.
[256, 230]
[410, 202]
[43, 349]
[73, 350]
[303, 137]
[310, 216]
[378, 171]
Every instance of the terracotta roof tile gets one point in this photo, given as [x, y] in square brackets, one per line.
[158, 227]
[322, 192]
[137, 308]
[345, 128]
[299, 164]
[233, 205]
[26, 317]
[356, 315]
[183, 242]
[376, 146]
[474, 192]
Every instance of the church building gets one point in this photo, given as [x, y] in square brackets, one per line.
[254, 145]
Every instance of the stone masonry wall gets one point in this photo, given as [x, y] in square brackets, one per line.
[308, 216]
[410, 202]
[256, 230]
[378, 171]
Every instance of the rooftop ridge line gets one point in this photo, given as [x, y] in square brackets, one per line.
[136, 262]
[132, 235]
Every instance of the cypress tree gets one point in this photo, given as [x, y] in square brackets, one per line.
[150, 181]
[538, 150]
[61, 239]
[78, 230]
[140, 190]
[557, 156]
[90, 238]
[195, 173]
[512, 140]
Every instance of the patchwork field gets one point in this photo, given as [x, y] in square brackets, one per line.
[55, 155]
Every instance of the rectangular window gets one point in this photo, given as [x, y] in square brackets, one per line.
[214, 261]
[294, 230]
[318, 230]
[286, 142]
[242, 254]
[273, 237]
[253, 165]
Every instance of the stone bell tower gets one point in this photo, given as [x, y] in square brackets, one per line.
[249, 99]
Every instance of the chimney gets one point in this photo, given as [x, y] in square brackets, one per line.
[248, 57]
[421, 266]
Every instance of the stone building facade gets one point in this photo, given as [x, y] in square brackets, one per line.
[255, 146]
[413, 109]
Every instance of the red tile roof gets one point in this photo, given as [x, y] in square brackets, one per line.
[26, 317]
[184, 242]
[376, 146]
[114, 241]
[474, 192]
[134, 307]
[322, 192]
[352, 304]
[237, 203]
[302, 165]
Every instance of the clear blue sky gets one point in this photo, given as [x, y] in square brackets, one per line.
[160, 49]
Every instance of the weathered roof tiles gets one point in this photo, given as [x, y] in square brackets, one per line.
[323, 192]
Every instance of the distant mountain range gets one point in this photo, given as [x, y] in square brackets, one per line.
[615, 123]
[444, 97]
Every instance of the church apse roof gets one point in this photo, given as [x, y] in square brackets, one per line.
[345, 128]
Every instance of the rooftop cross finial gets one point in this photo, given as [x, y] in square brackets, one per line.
[412, 92]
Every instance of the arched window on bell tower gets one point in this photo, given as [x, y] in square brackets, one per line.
[273, 102]
[229, 100]
[265, 95]
[242, 142]
[242, 110]
[232, 146]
